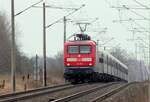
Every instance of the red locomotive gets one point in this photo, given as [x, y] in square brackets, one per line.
[83, 62]
[79, 53]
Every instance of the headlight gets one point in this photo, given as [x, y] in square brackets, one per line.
[68, 64]
[90, 64]
[86, 59]
[71, 59]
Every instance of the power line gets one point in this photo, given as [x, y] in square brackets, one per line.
[133, 10]
[28, 8]
[65, 16]
[141, 4]
[128, 8]
[56, 7]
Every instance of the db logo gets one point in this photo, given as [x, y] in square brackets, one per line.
[79, 55]
[79, 59]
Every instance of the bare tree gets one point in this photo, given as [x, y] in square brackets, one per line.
[137, 71]
[23, 63]
[4, 44]
[120, 54]
[55, 65]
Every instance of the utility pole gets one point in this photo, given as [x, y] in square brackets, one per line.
[65, 22]
[149, 39]
[136, 51]
[44, 34]
[13, 52]
[98, 45]
[149, 57]
[104, 48]
[13, 44]
[44, 45]
[36, 70]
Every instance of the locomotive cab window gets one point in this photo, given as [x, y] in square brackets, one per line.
[73, 49]
[85, 49]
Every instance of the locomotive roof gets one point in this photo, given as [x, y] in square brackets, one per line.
[91, 42]
[114, 58]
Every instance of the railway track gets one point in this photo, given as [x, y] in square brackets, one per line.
[107, 90]
[36, 92]
[110, 93]
[105, 94]
[83, 93]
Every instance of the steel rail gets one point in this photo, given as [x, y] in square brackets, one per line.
[36, 92]
[32, 90]
[110, 93]
[82, 93]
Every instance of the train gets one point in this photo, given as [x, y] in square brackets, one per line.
[85, 62]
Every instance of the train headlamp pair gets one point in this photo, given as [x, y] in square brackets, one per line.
[81, 59]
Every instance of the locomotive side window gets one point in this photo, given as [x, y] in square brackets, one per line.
[85, 49]
[73, 49]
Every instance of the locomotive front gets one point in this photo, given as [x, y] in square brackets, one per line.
[79, 60]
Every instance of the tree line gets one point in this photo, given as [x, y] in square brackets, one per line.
[23, 63]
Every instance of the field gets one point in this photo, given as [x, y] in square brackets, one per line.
[23, 84]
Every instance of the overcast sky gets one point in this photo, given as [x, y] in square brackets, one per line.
[29, 24]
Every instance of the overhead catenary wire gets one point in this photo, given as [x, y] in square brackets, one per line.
[28, 8]
[141, 4]
[56, 7]
[124, 6]
[131, 9]
[65, 16]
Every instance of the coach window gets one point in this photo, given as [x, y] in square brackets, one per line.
[85, 49]
[101, 60]
[73, 49]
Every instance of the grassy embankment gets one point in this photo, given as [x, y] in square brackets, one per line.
[26, 84]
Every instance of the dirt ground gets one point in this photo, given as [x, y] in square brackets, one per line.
[134, 93]
[25, 84]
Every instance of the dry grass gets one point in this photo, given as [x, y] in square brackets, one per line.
[134, 93]
[26, 84]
